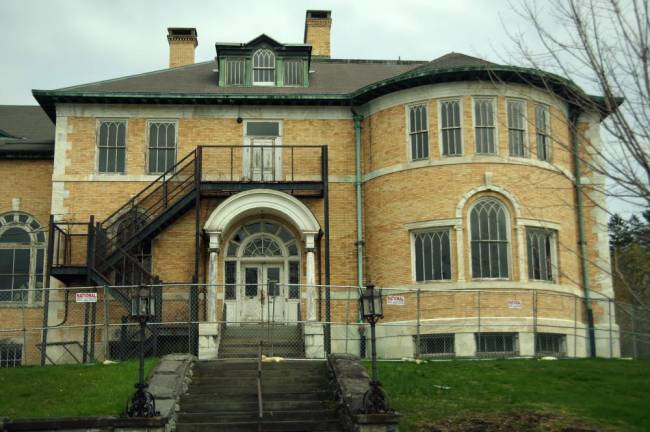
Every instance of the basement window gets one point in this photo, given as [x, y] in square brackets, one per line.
[497, 344]
[550, 344]
[436, 345]
[11, 354]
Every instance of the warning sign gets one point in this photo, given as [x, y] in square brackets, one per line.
[395, 300]
[86, 297]
[515, 304]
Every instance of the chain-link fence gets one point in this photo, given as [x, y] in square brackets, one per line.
[86, 324]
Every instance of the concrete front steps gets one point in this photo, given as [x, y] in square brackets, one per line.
[280, 340]
[223, 397]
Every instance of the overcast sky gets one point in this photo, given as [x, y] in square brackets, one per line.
[48, 44]
[57, 43]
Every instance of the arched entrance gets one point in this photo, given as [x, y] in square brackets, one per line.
[262, 273]
[260, 254]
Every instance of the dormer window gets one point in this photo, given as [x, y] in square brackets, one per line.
[263, 67]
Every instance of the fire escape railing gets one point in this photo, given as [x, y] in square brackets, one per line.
[109, 248]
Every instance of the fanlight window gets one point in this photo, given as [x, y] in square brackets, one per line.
[489, 226]
[262, 239]
[264, 67]
[262, 247]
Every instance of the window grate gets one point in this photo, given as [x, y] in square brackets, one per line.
[497, 344]
[419, 132]
[450, 128]
[552, 344]
[11, 355]
[485, 125]
[112, 147]
[432, 256]
[437, 345]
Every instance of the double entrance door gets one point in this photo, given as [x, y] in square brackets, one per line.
[264, 296]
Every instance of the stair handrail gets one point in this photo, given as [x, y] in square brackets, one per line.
[260, 404]
[164, 177]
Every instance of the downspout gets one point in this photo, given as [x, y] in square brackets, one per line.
[582, 241]
[357, 186]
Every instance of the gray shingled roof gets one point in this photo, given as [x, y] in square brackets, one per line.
[31, 131]
[328, 77]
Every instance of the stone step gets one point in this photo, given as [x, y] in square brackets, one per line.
[251, 415]
[192, 398]
[235, 388]
[311, 379]
[268, 426]
[201, 405]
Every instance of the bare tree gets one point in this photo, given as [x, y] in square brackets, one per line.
[604, 45]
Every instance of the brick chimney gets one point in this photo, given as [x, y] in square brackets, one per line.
[182, 42]
[317, 32]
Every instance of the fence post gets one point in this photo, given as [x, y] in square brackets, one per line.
[417, 337]
[611, 342]
[575, 325]
[106, 329]
[634, 349]
[535, 306]
[478, 307]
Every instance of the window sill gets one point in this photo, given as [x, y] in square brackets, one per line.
[20, 305]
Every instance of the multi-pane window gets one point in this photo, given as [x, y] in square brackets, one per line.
[111, 144]
[293, 72]
[234, 71]
[550, 344]
[432, 255]
[450, 128]
[11, 354]
[543, 132]
[264, 67]
[419, 132]
[22, 258]
[485, 125]
[436, 345]
[496, 343]
[489, 227]
[162, 147]
[540, 253]
[517, 128]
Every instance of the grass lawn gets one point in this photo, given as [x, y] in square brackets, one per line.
[611, 394]
[68, 390]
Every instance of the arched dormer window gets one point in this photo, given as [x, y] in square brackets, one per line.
[22, 258]
[263, 67]
[490, 240]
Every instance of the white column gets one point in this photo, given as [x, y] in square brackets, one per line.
[311, 278]
[211, 309]
[460, 252]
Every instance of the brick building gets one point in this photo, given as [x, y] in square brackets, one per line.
[277, 175]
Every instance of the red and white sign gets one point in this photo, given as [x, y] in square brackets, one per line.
[515, 304]
[395, 300]
[86, 297]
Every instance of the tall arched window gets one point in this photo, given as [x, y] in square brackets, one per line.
[490, 245]
[22, 258]
[264, 67]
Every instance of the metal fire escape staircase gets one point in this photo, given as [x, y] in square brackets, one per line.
[108, 254]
